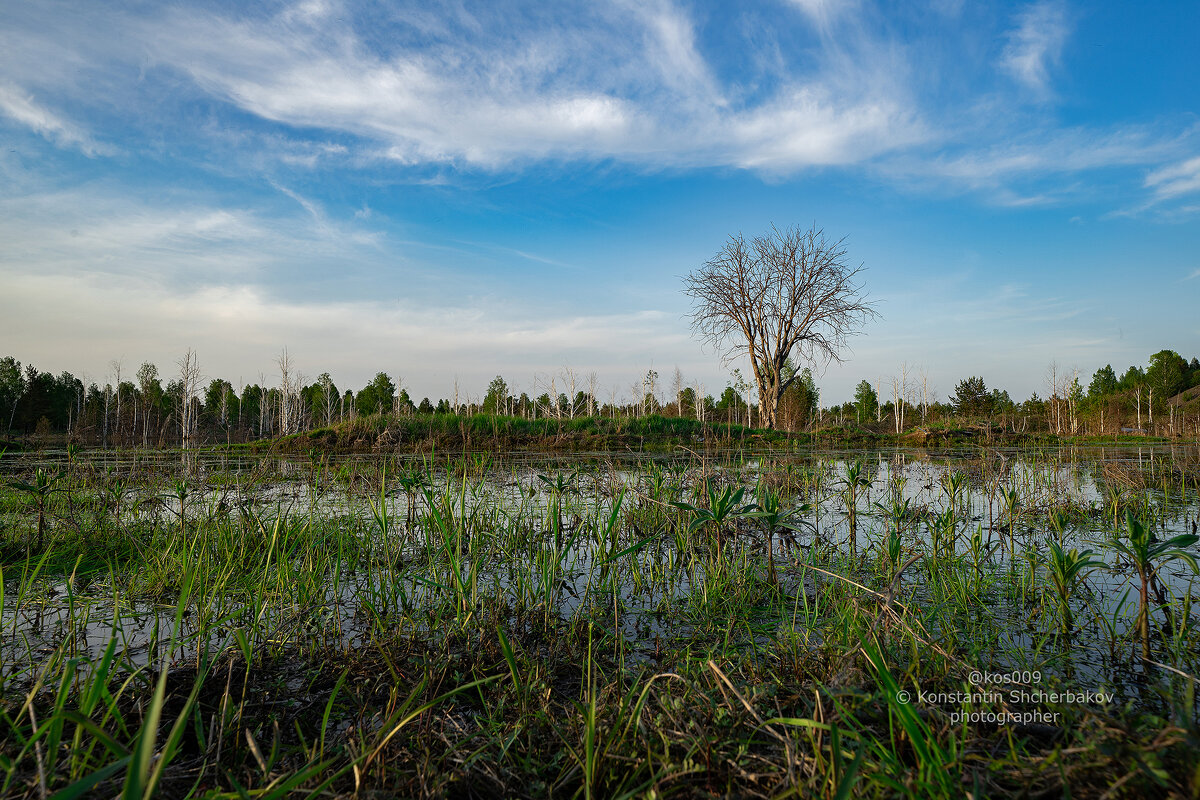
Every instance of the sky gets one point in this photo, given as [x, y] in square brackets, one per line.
[450, 191]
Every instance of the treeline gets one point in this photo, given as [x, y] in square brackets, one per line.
[1161, 399]
[150, 409]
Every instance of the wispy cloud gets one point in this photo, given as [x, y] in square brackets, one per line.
[824, 12]
[428, 93]
[1031, 167]
[240, 326]
[1175, 180]
[1035, 45]
[23, 108]
[554, 88]
[181, 242]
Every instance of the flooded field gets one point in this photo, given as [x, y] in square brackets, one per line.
[986, 621]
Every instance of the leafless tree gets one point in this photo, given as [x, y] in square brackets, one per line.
[289, 394]
[593, 384]
[189, 385]
[1054, 415]
[569, 377]
[650, 392]
[147, 374]
[677, 386]
[927, 396]
[329, 402]
[117, 365]
[901, 391]
[107, 402]
[548, 384]
[264, 407]
[788, 291]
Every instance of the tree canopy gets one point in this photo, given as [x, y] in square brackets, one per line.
[789, 292]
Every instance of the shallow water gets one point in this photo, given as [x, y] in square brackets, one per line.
[654, 599]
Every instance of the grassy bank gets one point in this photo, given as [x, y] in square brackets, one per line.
[387, 433]
[425, 433]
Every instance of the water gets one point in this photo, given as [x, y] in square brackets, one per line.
[503, 508]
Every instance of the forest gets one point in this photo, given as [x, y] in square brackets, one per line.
[153, 408]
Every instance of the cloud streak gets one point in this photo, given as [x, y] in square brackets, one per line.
[653, 85]
[241, 326]
[1035, 46]
[22, 108]
[1175, 180]
[492, 88]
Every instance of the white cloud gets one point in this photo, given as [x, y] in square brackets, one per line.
[1175, 180]
[647, 84]
[90, 231]
[91, 276]
[1029, 168]
[808, 128]
[238, 328]
[22, 107]
[824, 12]
[591, 91]
[1035, 45]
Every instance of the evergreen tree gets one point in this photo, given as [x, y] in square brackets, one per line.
[971, 397]
[1104, 383]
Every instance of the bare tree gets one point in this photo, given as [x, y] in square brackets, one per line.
[677, 385]
[189, 385]
[117, 365]
[901, 391]
[107, 402]
[787, 291]
[650, 392]
[549, 386]
[593, 384]
[264, 406]
[742, 389]
[147, 374]
[569, 378]
[1053, 420]
[329, 402]
[289, 394]
[926, 396]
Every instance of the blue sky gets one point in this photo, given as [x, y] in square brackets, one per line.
[451, 191]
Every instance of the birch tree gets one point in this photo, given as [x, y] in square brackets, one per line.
[189, 385]
[901, 390]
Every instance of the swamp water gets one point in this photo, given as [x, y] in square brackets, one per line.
[160, 560]
[562, 534]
